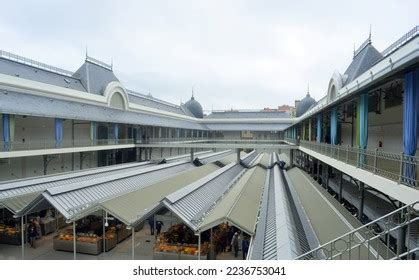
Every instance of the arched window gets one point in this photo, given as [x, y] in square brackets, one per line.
[117, 101]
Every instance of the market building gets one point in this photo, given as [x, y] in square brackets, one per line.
[88, 166]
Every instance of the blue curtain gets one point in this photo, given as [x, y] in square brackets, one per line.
[58, 132]
[6, 132]
[319, 127]
[363, 127]
[116, 132]
[333, 126]
[410, 124]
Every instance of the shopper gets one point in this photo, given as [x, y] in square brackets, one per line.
[159, 225]
[245, 247]
[151, 224]
[235, 244]
[32, 233]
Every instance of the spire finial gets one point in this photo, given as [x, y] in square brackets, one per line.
[370, 32]
[192, 92]
[86, 52]
[111, 63]
[354, 49]
[308, 89]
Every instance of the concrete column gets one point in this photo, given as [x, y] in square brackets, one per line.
[291, 158]
[361, 200]
[341, 187]
[192, 154]
[318, 171]
[327, 176]
[238, 155]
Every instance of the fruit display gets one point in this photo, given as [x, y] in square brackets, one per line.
[180, 234]
[8, 230]
[10, 235]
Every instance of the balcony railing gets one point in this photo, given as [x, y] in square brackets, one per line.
[371, 241]
[171, 139]
[389, 165]
[48, 144]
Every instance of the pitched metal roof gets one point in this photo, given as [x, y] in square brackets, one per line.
[19, 187]
[363, 60]
[192, 201]
[17, 203]
[240, 205]
[94, 77]
[276, 235]
[70, 200]
[150, 101]
[38, 74]
[133, 207]
[13, 102]
[73, 199]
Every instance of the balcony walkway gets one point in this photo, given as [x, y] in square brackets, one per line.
[328, 218]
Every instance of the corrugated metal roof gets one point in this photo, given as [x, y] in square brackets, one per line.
[32, 105]
[191, 202]
[132, 207]
[17, 203]
[23, 186]
[240, 204]
[275, 236]
[75, 198]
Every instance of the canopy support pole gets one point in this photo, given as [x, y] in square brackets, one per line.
[199, 245]
[74, 240]
[211, 246]
[103, 231]
[133, 243]
[22, 230]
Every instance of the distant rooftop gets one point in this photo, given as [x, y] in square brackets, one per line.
[246, 114]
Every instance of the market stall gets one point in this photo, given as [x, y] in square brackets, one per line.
[178, 243]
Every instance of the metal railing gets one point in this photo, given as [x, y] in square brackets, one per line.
[400, 42]
[371, 241]
[51, 144]
[98, 62]
[392, 166]
[171, 140]
[34, 63]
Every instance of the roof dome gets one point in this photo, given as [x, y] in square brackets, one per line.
[195, 108]
[305, 104]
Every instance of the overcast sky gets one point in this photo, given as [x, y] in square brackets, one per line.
[237, 54]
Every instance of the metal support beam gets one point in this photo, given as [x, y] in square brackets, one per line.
[318, 171]
[192, 154]
[361, 200]
[199, 245]
[133, 243]
[291, 158]
[74, 241]
[22, 231]
[103, 232]
[341, 187]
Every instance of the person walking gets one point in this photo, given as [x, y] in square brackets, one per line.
[159, 225]
[245, 247]
[235, 244]
[151, 224]
[32, 233]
